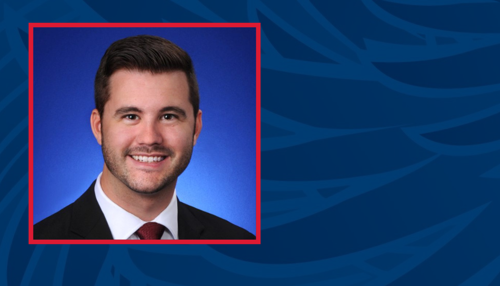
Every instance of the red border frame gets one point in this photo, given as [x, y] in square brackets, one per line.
[145, 25]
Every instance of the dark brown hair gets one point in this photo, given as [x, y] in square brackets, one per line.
[144, 53]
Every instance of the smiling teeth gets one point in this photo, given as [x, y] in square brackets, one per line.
[148, 159]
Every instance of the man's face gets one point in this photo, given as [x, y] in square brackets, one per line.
[147, 130]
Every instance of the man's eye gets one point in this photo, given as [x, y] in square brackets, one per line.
[169, 116]
[131, 116]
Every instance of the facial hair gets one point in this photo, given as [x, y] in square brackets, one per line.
[116, 165]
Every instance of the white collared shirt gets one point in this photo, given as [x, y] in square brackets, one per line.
[123, 224]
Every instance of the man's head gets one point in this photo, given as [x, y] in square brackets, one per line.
[145, 118]
[144, 53]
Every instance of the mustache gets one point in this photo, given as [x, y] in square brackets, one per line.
[164, 151]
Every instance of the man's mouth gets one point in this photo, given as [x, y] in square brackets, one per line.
[149, 159]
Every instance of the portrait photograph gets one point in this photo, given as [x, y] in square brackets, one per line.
[112, 111]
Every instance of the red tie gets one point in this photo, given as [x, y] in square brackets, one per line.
[150, 230]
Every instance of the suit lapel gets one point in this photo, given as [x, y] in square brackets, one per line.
[189, 226]
[87, 219]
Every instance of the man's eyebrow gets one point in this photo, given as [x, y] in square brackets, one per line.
[127, 109]
[175, 109]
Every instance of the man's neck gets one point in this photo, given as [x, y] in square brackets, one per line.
[144, 206]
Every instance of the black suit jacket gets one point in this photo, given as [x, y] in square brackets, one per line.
[84, 219]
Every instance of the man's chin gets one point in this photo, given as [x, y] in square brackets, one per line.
[146, 191]
[149, 187]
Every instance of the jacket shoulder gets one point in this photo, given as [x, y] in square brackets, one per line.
[54, 226]
[83, 219]
[215, 227]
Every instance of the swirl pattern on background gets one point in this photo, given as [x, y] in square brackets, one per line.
[380, 148]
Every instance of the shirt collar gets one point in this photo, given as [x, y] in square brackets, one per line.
[124, 224]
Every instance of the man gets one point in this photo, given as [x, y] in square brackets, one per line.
[147, 120]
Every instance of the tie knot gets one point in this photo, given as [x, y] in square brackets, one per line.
[150, 230]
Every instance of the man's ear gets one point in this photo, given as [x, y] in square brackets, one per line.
[95, 124]
[197, 127]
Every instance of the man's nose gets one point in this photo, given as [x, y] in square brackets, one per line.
[149, 134]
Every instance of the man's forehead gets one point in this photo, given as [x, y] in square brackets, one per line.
[139, 85]
[148, 92]
[179, 76]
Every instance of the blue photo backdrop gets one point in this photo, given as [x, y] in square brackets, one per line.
[380, 148]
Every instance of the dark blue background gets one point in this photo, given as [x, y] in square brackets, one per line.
[221, 176]
[380, 148]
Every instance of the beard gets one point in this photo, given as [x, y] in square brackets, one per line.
[148, 183]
